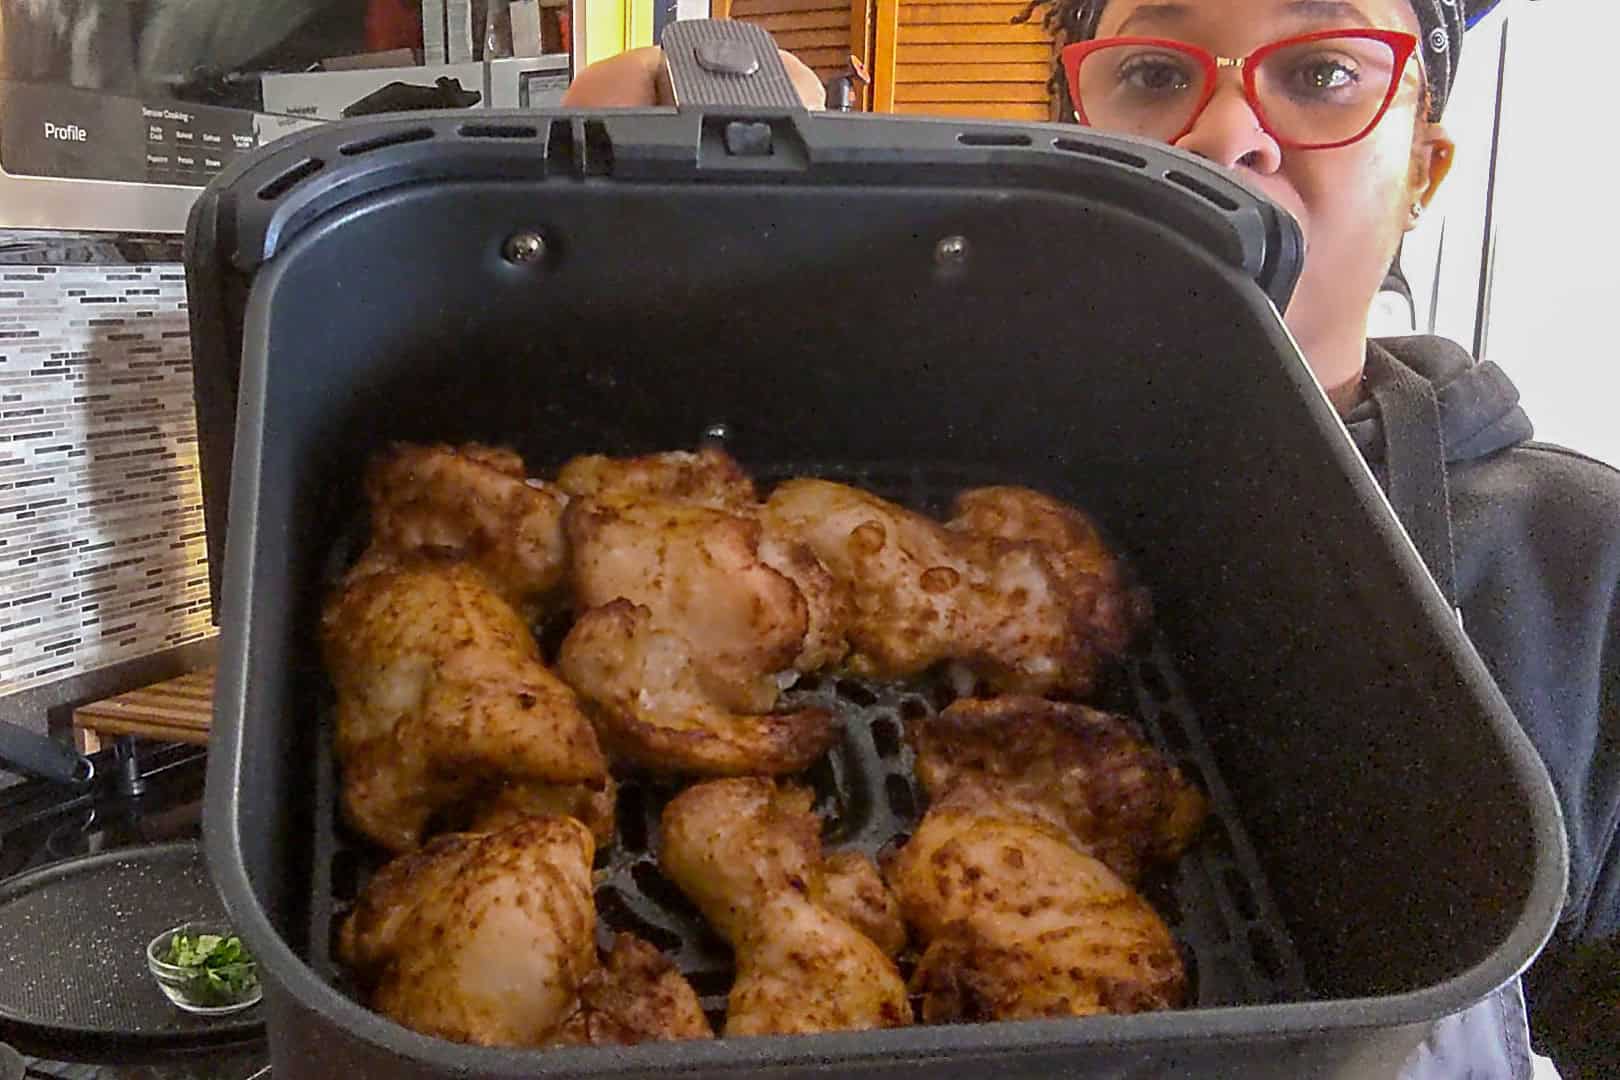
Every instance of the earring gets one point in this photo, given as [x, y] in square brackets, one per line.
[1417, 211]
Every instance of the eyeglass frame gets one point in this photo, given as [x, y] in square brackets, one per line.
[1401, 44]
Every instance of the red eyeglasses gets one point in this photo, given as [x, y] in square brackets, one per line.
[1311, 92]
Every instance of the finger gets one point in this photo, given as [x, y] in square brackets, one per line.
[629, 80]
[811, 90]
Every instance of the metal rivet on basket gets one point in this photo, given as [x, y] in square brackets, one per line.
[951, 251]
[524, 247]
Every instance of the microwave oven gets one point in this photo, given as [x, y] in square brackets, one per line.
[114, 114]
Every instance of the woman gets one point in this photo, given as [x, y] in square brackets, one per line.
[1343, 129]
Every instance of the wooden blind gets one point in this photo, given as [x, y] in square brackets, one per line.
[966, 59]
[822, 33]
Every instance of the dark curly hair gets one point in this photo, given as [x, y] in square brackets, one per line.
[1067, 21]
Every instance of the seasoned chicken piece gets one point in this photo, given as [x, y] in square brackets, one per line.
[711, 478]
[1016, 879]
[440, 694]
[480, 938]
[1075, 551]
[698, 573]
[636, 996]
[474, 503]
[685, 639]
[748, 853]
[651, 710]
[1090, 773]
[1018, 923]
[708, 477]
[1018, 610]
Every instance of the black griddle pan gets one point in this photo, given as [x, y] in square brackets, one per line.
[73, 939]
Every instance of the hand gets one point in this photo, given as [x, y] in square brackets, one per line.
[630, 80]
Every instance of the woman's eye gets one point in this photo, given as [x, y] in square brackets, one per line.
[1325, 76]
[1156, 76]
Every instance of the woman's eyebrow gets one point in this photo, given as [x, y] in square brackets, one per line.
[1155, 13]
[1333, 12]
[1339, 12]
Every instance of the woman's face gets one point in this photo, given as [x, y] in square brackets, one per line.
[1353, 203]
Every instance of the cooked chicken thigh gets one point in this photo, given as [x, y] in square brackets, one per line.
[1074, 549]
[1008, 879]
[473, 503]
[1090, 773]
[441, 695]
[698, 573]
[1004, 590]
[684, 639]
[1017, 922]
[748, 853]
[480, 938]
[489, 938]
[711, 478]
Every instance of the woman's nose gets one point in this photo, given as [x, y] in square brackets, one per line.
[1228, 133]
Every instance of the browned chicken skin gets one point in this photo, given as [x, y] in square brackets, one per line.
[1010, 880]
[473, 503]
[707, 477]
[748, 853]
[490, 939]
[1087, 772]
[1006, 589]
[684, 636]
[637, 995]
[441, 696]
[1018, 923]
[480, 938]
[1074, 550]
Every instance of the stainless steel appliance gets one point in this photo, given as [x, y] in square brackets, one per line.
[114, 113]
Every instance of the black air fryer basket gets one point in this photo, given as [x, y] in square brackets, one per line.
[916, 306]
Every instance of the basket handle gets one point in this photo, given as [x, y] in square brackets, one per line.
[726, 63]
[33, 754]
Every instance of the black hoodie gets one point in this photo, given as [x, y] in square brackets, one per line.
[1524, 538]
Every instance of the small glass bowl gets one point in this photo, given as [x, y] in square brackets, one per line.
[183, 986]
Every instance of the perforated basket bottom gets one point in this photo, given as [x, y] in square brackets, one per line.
[1215, 899]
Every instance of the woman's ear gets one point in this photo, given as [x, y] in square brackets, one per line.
[1433, 153]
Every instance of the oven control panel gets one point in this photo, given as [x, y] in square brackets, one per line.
[60, 133]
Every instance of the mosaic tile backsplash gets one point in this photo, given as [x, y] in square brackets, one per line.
[102, 551]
